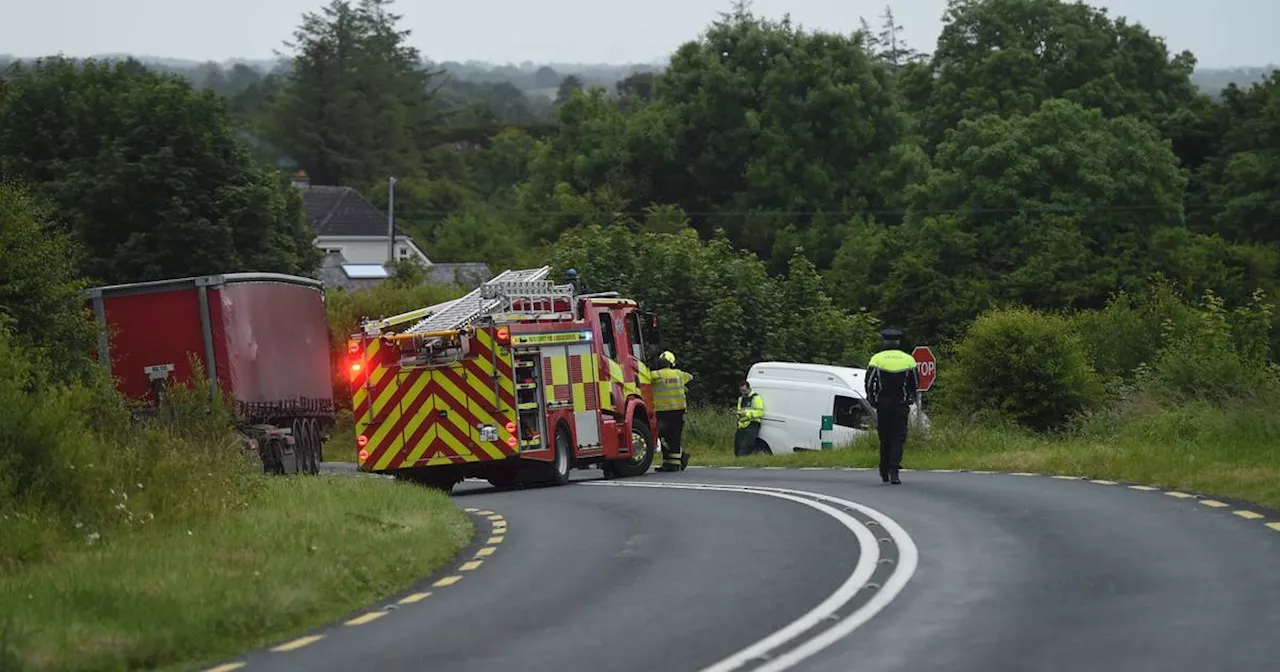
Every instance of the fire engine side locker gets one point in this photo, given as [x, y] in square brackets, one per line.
[531, 408]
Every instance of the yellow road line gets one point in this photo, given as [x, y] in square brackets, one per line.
[486, 551]
[495, 540]
[1213, 503]
[367, 618]
[226, 668]
[1102, 482]
[1274, 526]
[468, 566]
[1249, 515]
[447, 581]
[416, 597]
[1179, 495]
[1144, 488]
[298, 643]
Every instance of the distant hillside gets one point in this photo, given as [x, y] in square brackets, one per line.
[1212, 81]
[543, 78]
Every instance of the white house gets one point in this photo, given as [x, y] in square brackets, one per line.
[352, 232]
[347, 224]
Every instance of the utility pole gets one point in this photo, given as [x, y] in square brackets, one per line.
[391, 221]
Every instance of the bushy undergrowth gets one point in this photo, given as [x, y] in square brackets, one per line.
[1046, 371]
[73, 467]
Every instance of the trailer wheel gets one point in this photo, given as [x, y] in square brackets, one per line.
[317, 445]
[642, 453]
[301, 446]
[273, 458]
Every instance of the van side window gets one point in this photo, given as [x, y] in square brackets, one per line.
[606, 335]
[848, 412]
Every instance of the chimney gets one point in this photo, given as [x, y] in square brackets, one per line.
[300, 180]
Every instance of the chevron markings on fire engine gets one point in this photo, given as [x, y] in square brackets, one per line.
[497, 533]
[886, 561]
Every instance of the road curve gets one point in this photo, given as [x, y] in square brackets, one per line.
[1006, 572]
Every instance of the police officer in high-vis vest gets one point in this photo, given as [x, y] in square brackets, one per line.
[891, 390]
[750, 414]
[669, 402]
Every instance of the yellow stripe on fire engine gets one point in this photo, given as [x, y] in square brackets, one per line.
[394, 444]
[483, 415]
[559, 370]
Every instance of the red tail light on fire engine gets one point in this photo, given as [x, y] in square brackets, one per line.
[504, 335]
[362, 440]
[354, 360]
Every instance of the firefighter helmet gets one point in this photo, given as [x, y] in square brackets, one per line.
[669, 357]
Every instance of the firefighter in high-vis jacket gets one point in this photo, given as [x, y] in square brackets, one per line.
[669, 403]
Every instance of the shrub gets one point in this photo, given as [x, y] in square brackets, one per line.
[73, 465]
[1022, 366]
[1217, 356]
[39, 287]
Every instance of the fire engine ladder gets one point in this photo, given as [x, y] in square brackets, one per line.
[482, 301]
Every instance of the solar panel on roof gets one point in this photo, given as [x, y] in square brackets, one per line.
[365, 271]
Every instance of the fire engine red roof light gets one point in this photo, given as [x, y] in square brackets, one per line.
[356, 366]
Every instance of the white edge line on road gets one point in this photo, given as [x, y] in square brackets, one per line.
[868, 558]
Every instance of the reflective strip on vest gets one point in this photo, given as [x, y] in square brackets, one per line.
[668, 389]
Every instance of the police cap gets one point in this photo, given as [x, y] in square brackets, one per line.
[891, 334]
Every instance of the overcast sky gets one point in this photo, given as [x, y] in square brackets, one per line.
[1221, 33]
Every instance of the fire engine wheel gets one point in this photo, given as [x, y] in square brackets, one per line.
[642, 454]
[558, 470]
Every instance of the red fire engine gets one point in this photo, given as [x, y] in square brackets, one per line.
[517, 383]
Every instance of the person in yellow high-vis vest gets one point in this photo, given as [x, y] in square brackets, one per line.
[669, 403]
[890, 387]
[750, 412]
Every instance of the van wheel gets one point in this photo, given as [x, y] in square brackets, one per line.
[762, 447]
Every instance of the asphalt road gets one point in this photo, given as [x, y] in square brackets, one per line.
[951, 572]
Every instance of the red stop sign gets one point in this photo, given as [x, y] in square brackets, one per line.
[926, 367]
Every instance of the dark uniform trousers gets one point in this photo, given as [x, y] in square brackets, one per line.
[670, 430]
[891, 425]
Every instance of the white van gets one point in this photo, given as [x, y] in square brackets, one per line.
[796, 397]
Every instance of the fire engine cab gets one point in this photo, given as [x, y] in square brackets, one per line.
[518, 382]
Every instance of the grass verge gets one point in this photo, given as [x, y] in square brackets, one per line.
[306, 551]
[1230, 451]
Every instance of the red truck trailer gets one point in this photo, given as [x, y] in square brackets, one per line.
[261, 338]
